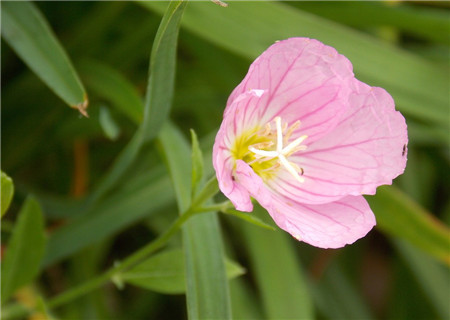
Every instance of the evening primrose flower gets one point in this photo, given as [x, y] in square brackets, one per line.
[306, 139]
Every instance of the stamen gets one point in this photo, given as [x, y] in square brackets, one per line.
[291, 129]
[267, 130]
[264, 153]
[290, 168]
[294, 144]
[281, 153]
[262, 145]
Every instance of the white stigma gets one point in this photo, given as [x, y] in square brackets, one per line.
[281, 152]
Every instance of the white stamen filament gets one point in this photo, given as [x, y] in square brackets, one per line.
[264, 153]
[280, 152]
[293, 145]
[290, 168]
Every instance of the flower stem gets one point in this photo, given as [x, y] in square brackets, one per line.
[208, 191]
[129, 262]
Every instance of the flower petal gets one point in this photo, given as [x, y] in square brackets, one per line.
[305, 80]
[238, 120]
[365, 150]
[330, 225]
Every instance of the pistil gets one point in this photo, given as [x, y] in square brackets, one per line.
[280, 152]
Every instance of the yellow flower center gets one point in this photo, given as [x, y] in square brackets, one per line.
[267, 150]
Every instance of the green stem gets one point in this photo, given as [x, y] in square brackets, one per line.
[209, 190]
[129, 262]
[218, 207]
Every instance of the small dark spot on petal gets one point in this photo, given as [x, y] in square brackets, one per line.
[233, 178]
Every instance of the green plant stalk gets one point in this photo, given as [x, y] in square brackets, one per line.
[209, 190]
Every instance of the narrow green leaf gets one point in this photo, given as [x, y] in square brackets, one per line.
[24, 251]
[197, 162]
[7, 192]
[112, 86]
[399, 216]
[337, 297]
[278, 272]
[41, 307]
[244, 300]
[30, 36]
[158, 97]
[165, 272]
[109, 126]
[115, 213]
[422, 21]
[207, 289]
[246, 28]
[431, 276]
[176, 152]
[249, 218]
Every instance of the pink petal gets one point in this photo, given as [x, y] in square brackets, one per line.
[238, 120]
[330, 225]
[305, 80]
[365, 150]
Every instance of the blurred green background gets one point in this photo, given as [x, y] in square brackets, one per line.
[94, 216]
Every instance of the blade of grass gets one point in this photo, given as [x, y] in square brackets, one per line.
[247, 29]
[337, 295]
[428, 23]
[278, 272]
[400, 217]
[158, 96]
[7, 192]
[207, 289]
[111, 85]
[122, 209]
[165, 272]
[432, 277]
[30, 36]
[158, 99]
[25, 249]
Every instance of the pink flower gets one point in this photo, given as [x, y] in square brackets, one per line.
[306, 139]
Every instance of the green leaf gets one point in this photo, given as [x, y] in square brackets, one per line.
[249, 218]
[431, 276]
[278, 272]
[207, 289]
[7, 192]
[141, 199]
[197, 162]
[176, 151]
[24, 251]
[157, 100]
[42, 309]
[399, 216]
[112, 86]
[30, 36]
[246, 28]
[165, 272]
[422, 21]
[109, 126]
[337, 297]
